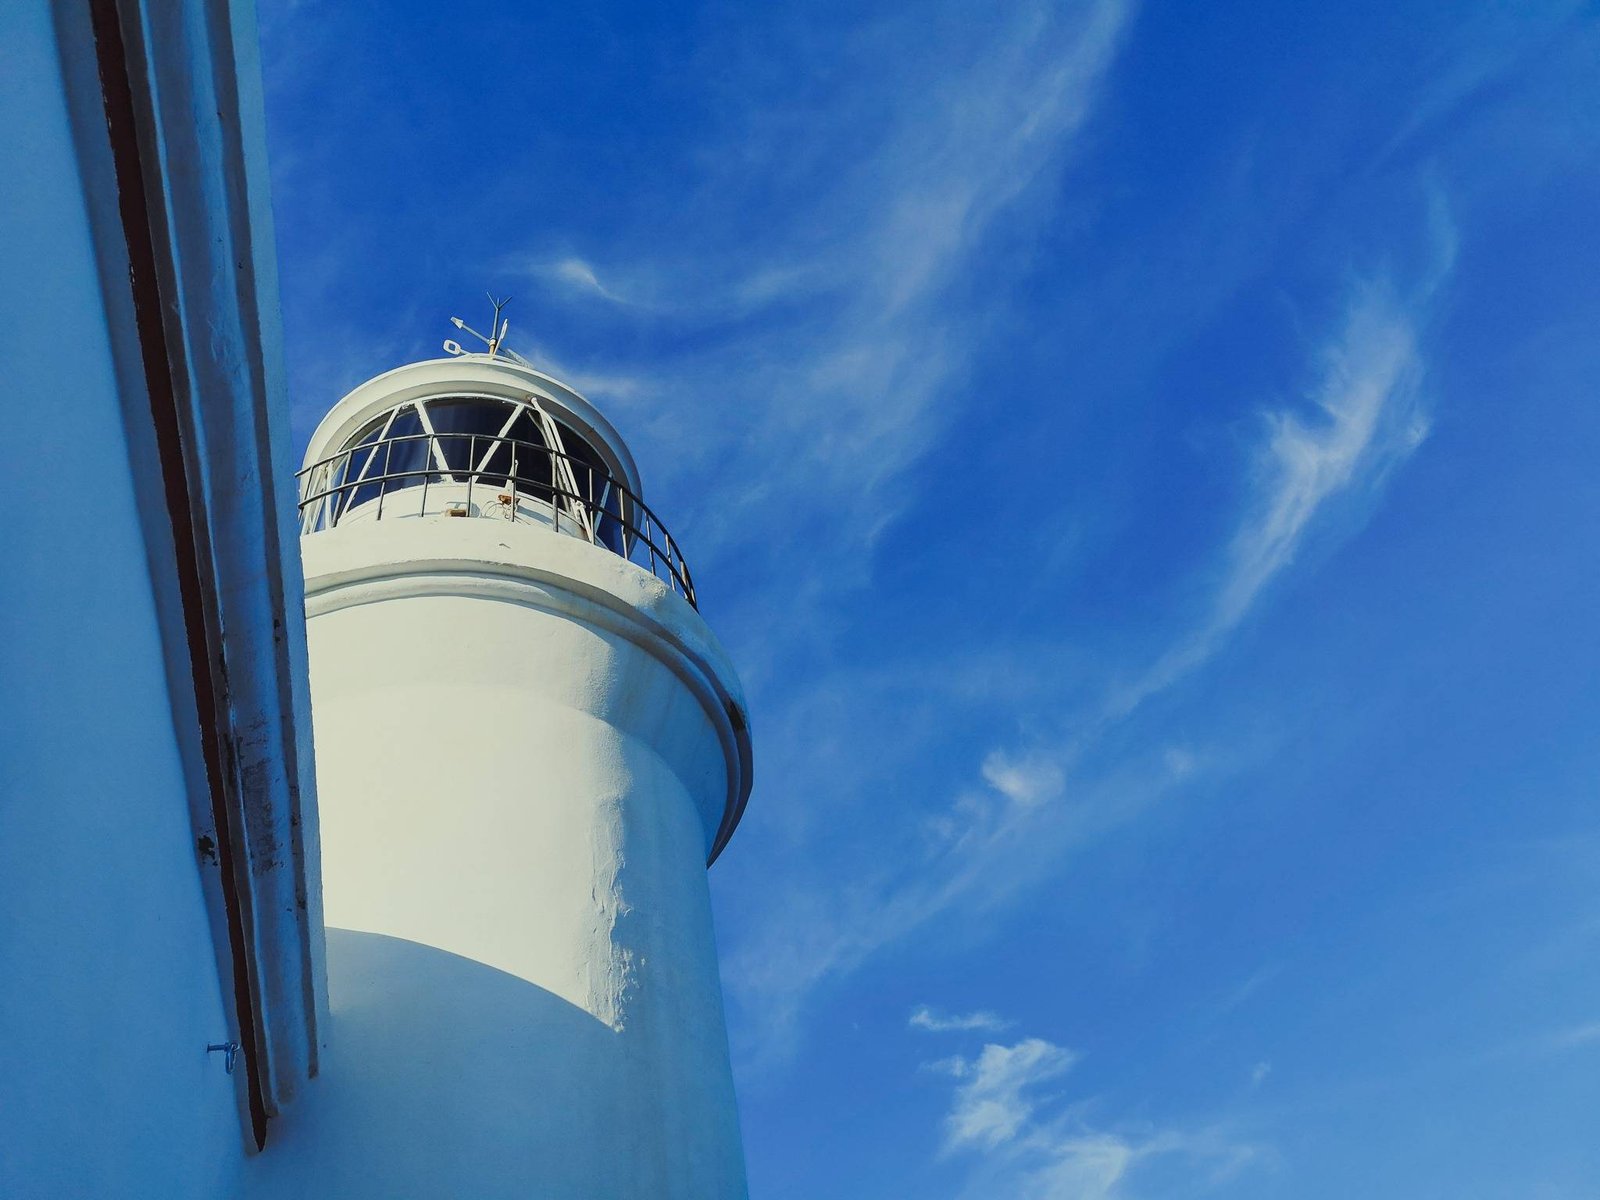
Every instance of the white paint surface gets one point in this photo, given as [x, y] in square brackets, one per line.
[525, 746]
[109, 988]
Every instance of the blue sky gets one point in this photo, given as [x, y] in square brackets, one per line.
[1142, 459]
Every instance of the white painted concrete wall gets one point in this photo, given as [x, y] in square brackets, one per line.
[524, 751]
[109, 987]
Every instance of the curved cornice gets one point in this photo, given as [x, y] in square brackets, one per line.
[363, 564]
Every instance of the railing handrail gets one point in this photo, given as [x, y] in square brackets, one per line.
[628, 503]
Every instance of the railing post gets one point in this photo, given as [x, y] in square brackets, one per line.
[427, 472]
[337, 493]
[594, 524]
[383, 483]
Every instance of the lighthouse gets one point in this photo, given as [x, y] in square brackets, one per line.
[530, 747]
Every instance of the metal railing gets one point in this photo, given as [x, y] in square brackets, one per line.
[572, 495]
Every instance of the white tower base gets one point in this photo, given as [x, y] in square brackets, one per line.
[527, 747]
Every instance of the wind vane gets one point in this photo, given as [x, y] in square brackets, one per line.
[496, 341]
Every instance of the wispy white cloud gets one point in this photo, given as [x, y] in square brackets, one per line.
[977, 852]
[837, 342]
[1243, 992]
[1564, 1040]
[932, 1021]
[1577, 1035]
[831, 931]
[578, 275]
[1025, 781]
[839, 334]
[842, 328]
[1363, 416]
[612, 386]
[994, 1098]
[1490, 44]
[1021, 1141]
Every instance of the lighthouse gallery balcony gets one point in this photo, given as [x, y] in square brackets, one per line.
[486, 457]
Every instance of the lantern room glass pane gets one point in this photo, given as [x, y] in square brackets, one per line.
[456, 421]
[470, 436]
[358, 463]
[408, 450]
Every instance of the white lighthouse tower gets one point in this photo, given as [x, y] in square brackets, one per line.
[529, 748]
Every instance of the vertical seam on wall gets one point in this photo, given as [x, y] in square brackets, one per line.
[248, 299]
[167, 420]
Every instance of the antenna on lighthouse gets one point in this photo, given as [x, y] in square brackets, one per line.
[497, 328]
[496, 341]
